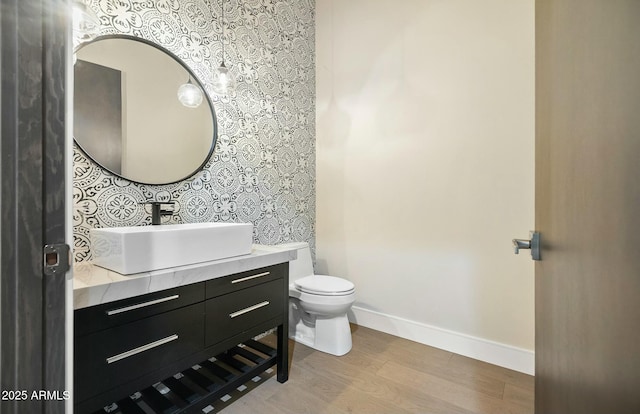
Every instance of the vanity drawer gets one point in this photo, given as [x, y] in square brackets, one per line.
[231, 314]
[114, 356]
[223, 285]
[108, 315]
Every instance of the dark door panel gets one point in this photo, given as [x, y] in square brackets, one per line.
[33, 67]
[587, 199]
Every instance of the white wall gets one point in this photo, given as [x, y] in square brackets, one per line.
[425, 168]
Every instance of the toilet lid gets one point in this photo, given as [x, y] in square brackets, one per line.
[324, 285]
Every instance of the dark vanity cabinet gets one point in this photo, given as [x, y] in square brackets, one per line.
[125, 347]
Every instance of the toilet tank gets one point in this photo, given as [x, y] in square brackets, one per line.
[303, 265]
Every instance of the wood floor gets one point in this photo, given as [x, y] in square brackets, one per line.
[384, 374]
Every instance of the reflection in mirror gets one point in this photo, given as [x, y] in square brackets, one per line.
[127, 115]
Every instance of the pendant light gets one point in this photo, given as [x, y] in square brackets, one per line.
[223, 81]
[190, 95]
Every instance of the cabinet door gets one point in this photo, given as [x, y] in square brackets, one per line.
[114, 356]
[231, 314]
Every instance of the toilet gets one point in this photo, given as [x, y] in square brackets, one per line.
[318, 305]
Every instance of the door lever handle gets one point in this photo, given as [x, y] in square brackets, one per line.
[521, 244]
[532, 244]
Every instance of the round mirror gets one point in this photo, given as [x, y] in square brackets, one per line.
[133, 114]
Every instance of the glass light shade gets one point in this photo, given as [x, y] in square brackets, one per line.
[86, 24]
[189, 95]
[223, 81]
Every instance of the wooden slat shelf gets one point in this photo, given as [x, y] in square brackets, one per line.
[193, 389]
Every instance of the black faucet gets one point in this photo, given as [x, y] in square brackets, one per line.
[157, 212]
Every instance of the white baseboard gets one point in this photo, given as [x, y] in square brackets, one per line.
[517, 359]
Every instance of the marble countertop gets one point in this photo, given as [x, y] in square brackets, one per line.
[94, 285]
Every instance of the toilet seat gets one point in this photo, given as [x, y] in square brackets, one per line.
[324, 285]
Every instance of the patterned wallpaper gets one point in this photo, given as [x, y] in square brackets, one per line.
[263, 168]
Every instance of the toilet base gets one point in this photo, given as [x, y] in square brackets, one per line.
[330, 335]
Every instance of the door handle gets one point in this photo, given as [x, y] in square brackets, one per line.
[521, 244]
[533, 244]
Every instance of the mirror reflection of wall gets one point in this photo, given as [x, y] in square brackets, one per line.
[161, 140]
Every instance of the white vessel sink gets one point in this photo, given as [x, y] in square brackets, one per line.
[129, 250]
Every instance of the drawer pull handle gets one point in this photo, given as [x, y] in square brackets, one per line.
[244, 279]
[141, 305]
[249, 309]
[142, 348]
